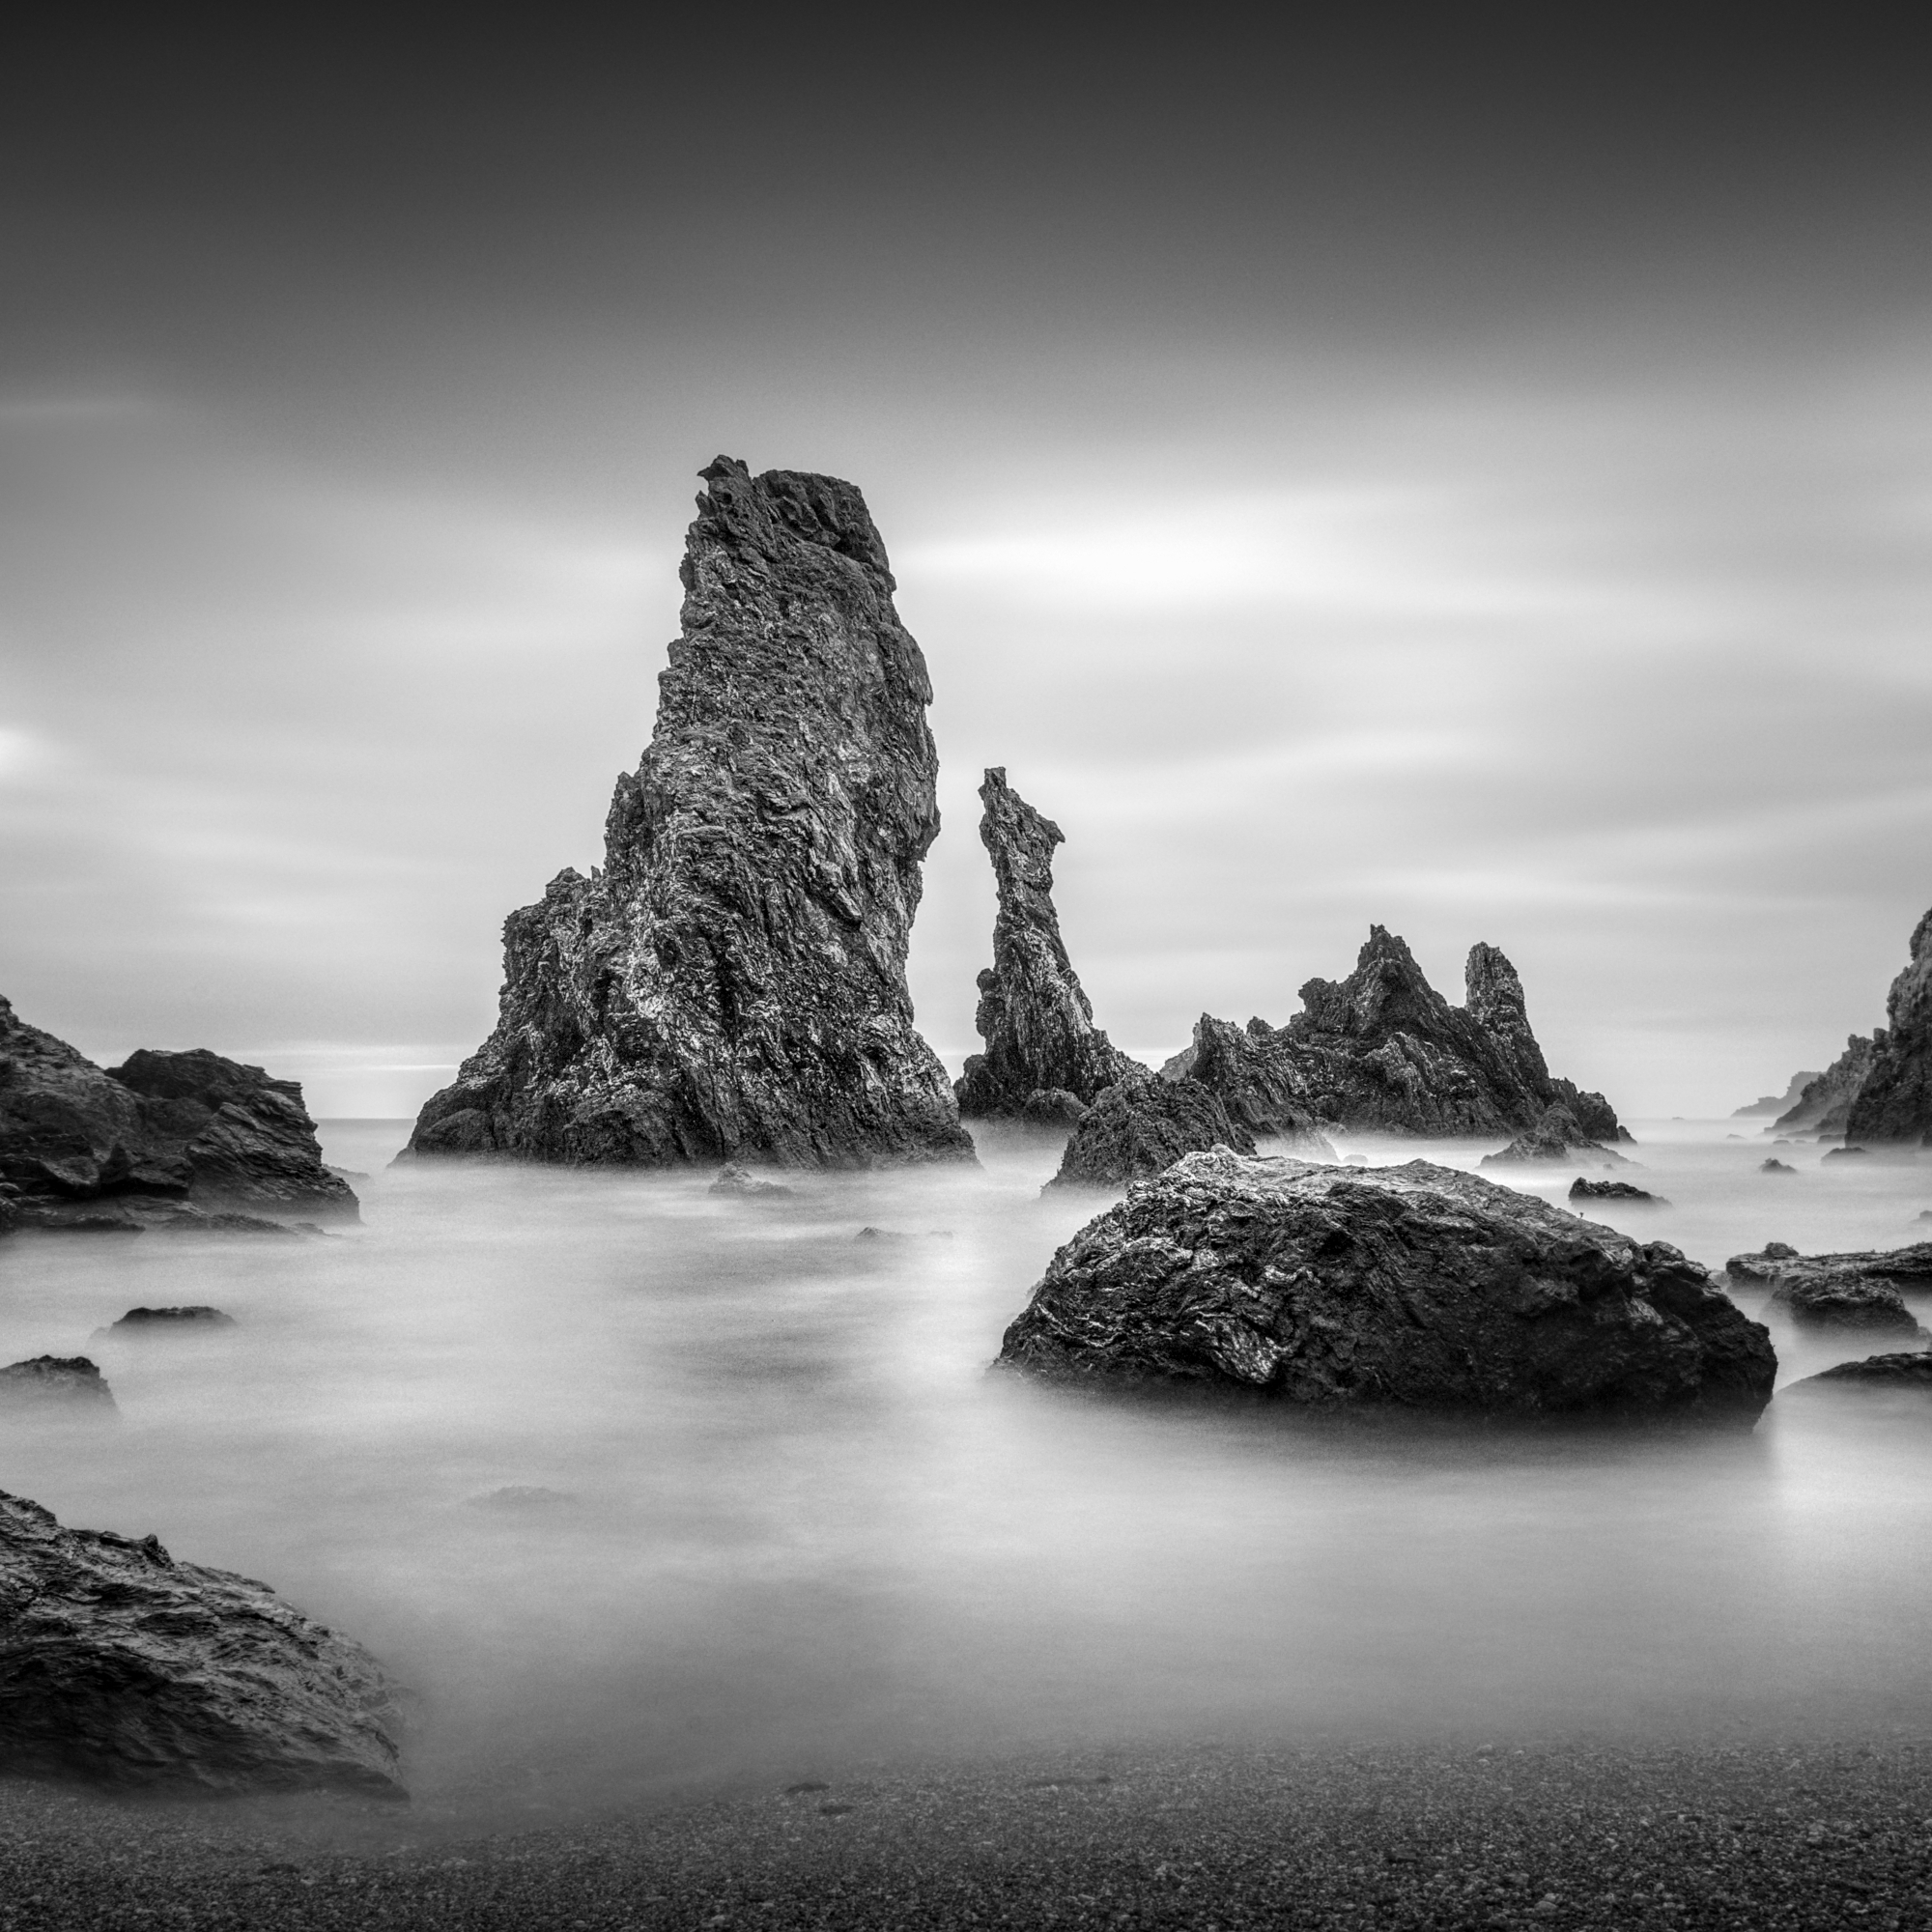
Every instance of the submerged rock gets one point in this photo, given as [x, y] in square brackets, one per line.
[1383, 1050]
[1414, 1286]
[1894, 1101]
[1847, 1153]
[1842, 1298]
[731, 985]
[1825, 1103]
[1034, 1014]
[1612, 1191]
[69, 1383]
[125, 1667]
[1776, 1167]
[1555, 1137]
[1137, 1127]
[741, 1180]
[163, 1138]
[1906, 1369]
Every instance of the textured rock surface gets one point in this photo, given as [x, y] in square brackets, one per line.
[59, 1381]
[1894, 1101]
[165, 1138]
[732, 983]
[1382, 1049]
[1909, 1267]
[1242, 1067]
[1842, 1298]
[1034, 1014]
[1612, 1191]
[1825, 1103]
[1137, 1127]
[1414, 1284]
[1556, 1137]
[120, 1666]
[1908, 1370]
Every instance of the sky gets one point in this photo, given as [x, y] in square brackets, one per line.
[1470, 472]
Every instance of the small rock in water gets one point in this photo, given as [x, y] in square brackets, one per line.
[170, 1320]
[1776, 1167]
[1612, 1191]
[741, 1180]
[1842, 1298]
[1908, 1369]
[66, 1381]
[1845, 1154]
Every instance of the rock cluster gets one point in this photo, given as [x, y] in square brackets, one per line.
[731, 983]
[1894, 1101]
[120, 1666]
[1383, 1050]
[1043, 1047]
[1415, 1286]
[183, 1139]
[1824, 1105]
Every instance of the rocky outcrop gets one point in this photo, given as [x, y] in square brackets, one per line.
[1255, 1082]
[1910, 1266]
[1555, 1137]
[1613, 1190]
[1034, 1014]
[1137, 1128]
[1908, 1370]
[1383, 1050]
[1414, 1286]
[1776, 1103]
[120, 1665]
[197, 1320]
[1842, 1298]
[1825, 1104]
[1895, 1102]
[731, 985]
[66, 1383]
[164, 1139]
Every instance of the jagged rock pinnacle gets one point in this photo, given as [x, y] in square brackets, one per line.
[1895, 1101]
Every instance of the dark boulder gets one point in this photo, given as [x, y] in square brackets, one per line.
[1137, 1127]
[1414, 1286]
[1613, 1190]
[731, 985]
[1034, 1014]
[1557, 1137]
[1825, 1103]
[67, 1382]
[1895, 1102]
[123, 1667]
[163, 1138]
[1906, 1369]
[1842, 1298]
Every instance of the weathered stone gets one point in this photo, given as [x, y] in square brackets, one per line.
[1242, 1068]
[1825, 1103]
[163, 1138]
[1847, 1153]
[1556, 1137]
[1137, 1127]
[54, 1381]
[731, 985]
[1414, 1286]
[1613, 1190]
[1383, 1050]
[1034, 1014]
[1052, 1107]
[1910, 1369]
[1894, 1101]
[120, 1665]
[1778, 1263]
[1842, 1298]
[741, 1180]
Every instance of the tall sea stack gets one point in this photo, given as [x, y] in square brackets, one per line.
[1894, 1103]
[1034, 1014]
[731, 983]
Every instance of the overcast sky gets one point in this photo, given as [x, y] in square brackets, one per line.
[1470, 480]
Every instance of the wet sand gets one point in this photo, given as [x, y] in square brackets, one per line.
[1201, 1836]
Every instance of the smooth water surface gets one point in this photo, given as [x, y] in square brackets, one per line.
[792, 1522]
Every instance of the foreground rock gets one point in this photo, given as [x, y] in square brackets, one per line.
[1139, 1127]
[1383, 1050]
[1894, 1101]
[123, 1667]
[1034, 1014]
[731, 985]
[1612, 1191]
[1555, 1137]
[71, 1384]
[164, 1139]
[1907, 1370]
[1824, 1105]
[1413, 1286]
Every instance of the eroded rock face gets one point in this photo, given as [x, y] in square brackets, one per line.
[1414, 1286]
[1909, 1267]
[1137, 1127]
[1825, 1103]
[164, 1139]
[1894, 1101]
[1242, 1068]
[1034, 1014]
[731, 986]
[1556, 1137]
[1383, 1050]
[1911, 1369]
[120, 1665]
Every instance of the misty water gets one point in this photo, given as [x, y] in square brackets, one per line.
[794, 1526]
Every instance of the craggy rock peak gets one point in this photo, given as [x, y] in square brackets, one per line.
[1137, 1128]
[1895, 1101]
[1413, 1286]
[731, 985]
[1243, 1068]
[120, 1666]
[1825, 1102]
[170, 1139]
[1034, 1014]
[1382, 1049]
